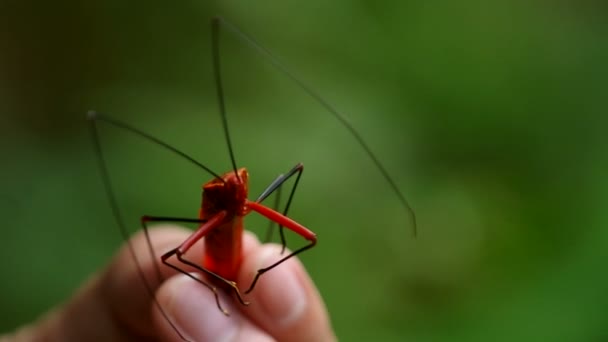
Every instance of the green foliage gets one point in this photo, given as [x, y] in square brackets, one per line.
[490, 116]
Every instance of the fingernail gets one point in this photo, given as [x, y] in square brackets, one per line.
[283, 299]
[193, 310]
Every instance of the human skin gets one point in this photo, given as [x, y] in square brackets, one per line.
[114, 305]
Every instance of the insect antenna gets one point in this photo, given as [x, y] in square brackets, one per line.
[274, 61]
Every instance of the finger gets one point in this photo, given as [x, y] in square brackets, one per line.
[113, 305]
[193, 312]
[84, 318]
[285, 302]
[194, 315]
[129, 298]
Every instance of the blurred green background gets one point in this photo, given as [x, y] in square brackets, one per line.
[490, 116]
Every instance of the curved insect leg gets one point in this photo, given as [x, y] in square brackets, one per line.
[105, 176]
[288, 223]
[184, 247]
[277, 185]
[144, 220]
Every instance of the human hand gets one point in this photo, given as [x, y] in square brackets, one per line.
[114, 305]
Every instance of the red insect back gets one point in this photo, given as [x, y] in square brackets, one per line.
[223, 249]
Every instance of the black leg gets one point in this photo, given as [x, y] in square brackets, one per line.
[180, 256]
[266, 269]
[276, 185]
[105, 176]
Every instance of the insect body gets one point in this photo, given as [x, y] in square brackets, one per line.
[226, 198]
[221, 223]
[224, 204]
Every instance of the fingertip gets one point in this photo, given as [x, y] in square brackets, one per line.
[187, 310]
[285, 301]
[281, 296]
[250, 242]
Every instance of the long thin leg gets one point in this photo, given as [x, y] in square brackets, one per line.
[94, 116]
[215, 54]
[182, 249]
[288, 223]
[266, 269]
[218, 22]
[145, 219]
[276, 185]
[107, 182]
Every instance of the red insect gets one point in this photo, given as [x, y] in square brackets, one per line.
[225, 202]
